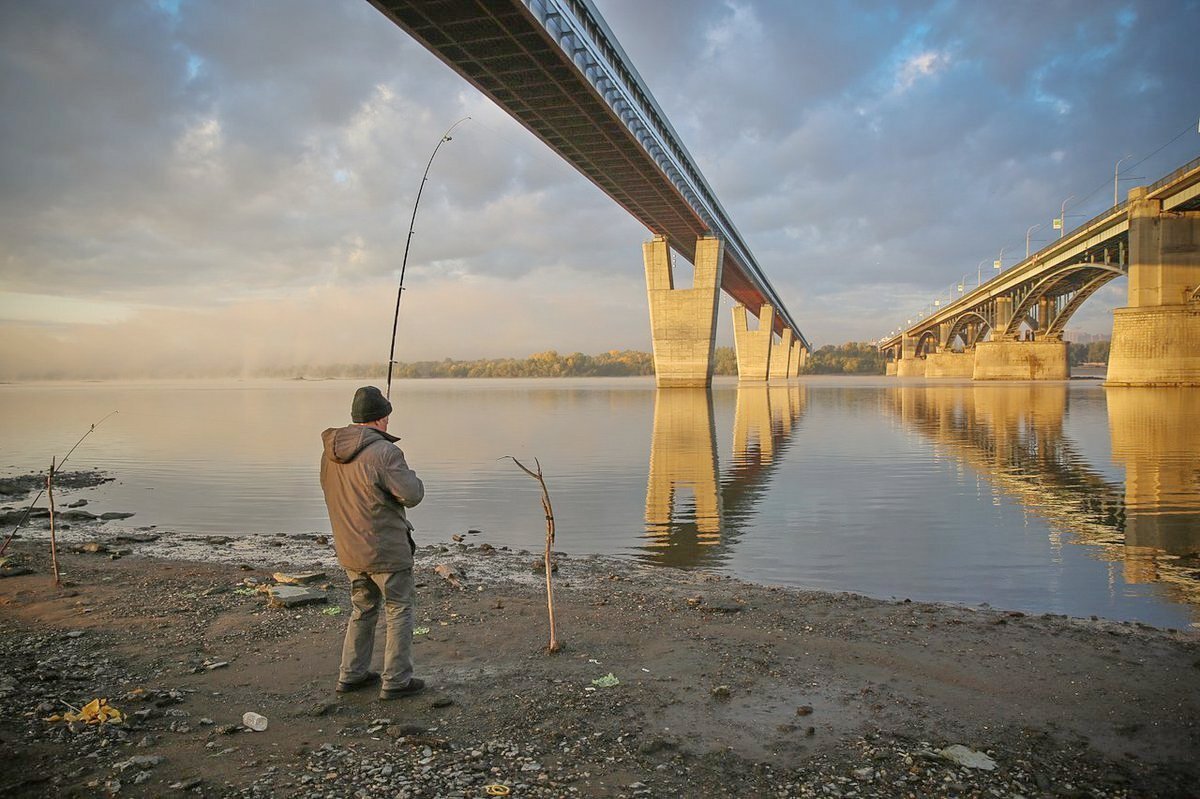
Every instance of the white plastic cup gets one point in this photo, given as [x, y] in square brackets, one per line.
[254, 721]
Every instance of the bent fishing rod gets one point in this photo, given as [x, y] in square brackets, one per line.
[404, 264]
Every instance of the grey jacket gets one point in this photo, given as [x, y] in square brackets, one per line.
[367, 486]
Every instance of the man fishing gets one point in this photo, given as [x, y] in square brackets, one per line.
[367, 486]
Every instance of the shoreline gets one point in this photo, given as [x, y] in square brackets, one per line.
[725, 687]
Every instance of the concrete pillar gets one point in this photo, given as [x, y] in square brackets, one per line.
[794, 364]
[1156, 339]
[1045, 310]
[782, 356]
[1004, 312]
[683, 461]
[683, 322]
[950, 364]
[909, 364]
[753, 346]
[1006, 359]
[944, 329]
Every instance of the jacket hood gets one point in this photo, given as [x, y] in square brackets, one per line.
[342, 444]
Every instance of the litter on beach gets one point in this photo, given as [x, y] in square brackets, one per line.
[98, 711]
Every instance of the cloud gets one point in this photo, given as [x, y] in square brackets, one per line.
[204, 157]
[921, 65]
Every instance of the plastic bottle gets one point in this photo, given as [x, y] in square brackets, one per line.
[254, 721]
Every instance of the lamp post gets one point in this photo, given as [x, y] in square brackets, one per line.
[1027, 232]
[999, 262]
[1062, 217]
[1116, 172]
[979, 273]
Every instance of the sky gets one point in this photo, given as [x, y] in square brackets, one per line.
[192, 185]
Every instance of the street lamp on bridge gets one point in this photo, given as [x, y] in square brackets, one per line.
[1060, 224]
[1027, 232]
[998, 264]
[1116, 172]
[979, 273]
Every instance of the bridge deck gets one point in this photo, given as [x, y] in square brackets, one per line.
[1178, 191]
[503, 50]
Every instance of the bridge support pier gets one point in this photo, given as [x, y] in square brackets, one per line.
[1008, 359]
[797, 359]
[1156, 340]
[950, 364]
[781, 363]
[753, 346]
[909, 365]
[683, 322]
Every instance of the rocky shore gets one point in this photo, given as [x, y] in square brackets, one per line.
[668, 684]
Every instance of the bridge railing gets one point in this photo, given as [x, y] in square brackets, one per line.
[581, 32]
[1178, 173]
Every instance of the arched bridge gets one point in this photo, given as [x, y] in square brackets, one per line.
[1153, 237]
[556, 67]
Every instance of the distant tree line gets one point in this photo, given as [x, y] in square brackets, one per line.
[1093, 352]
[614, 363]
[851, 358]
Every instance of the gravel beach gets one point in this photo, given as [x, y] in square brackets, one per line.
[668, 684]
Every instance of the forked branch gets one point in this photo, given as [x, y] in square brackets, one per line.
[549, 511]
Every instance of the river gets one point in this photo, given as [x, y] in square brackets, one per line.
[1064, 498]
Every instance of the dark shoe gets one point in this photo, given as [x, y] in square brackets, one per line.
[415, 686]
[370, 678]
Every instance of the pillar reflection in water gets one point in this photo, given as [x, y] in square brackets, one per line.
[1156, 437]
[683, 461]
[693, 513]
[1014, 437]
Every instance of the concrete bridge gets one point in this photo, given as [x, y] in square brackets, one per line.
[1011, 327]
[556, 68]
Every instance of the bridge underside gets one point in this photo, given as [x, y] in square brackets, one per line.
[502, 50]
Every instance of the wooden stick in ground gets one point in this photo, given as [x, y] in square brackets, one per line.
[62, 463]
[53, 542]
[549, 511]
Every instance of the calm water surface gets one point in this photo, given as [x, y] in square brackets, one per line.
[1068, 498]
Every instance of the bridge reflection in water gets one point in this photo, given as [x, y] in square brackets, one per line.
[694, 513]
[1013, 436]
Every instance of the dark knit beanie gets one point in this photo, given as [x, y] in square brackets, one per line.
[369, 405]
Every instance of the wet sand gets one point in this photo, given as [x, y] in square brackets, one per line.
[725, 688]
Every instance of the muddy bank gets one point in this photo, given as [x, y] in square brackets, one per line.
[722, 688]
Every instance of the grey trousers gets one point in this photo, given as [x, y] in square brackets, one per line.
[395, 591]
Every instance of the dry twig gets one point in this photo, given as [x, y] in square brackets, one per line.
[549, 543]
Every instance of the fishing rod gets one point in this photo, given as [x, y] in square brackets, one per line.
[53, 471]
[404, 264]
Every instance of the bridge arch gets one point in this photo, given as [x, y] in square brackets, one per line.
[959, 328]
[926, 336]
[1062, 278]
